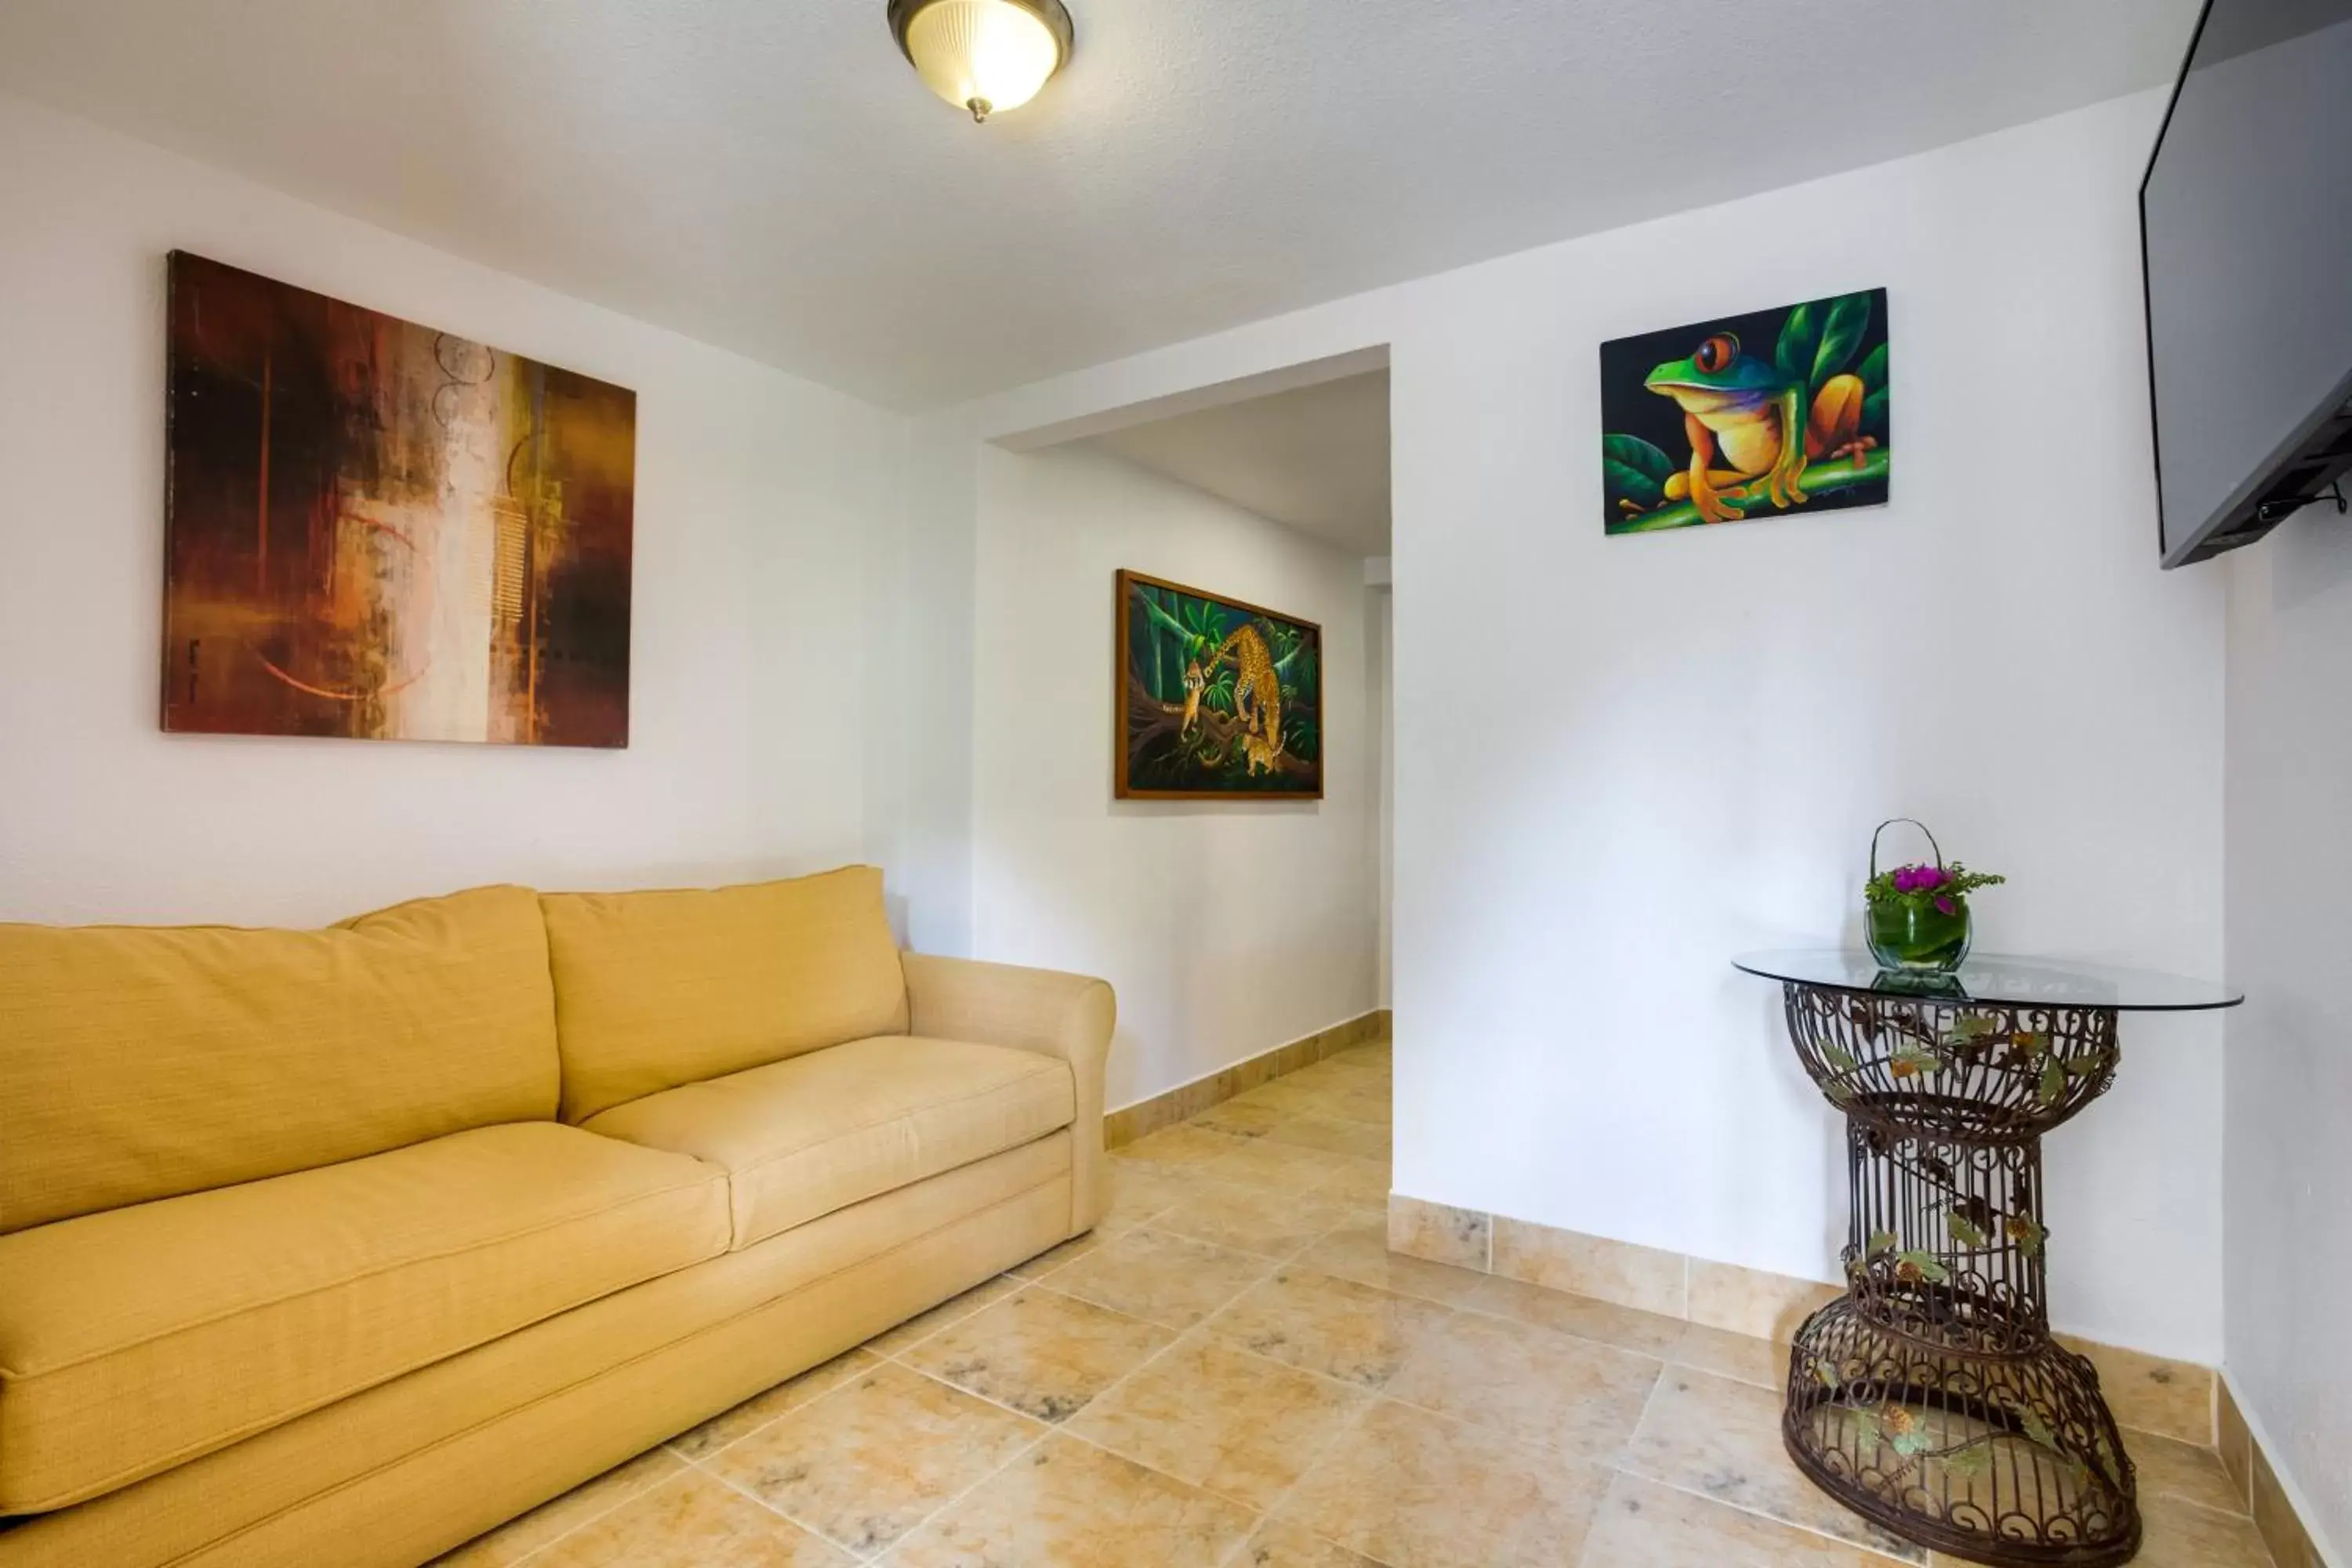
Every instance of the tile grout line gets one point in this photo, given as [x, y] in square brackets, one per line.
[1673, 1360]
[1608, 1464]
[754, 1498]
[882, 1358]
[1273, 1509]
[891, 1358]
[565, 1535]
[1372, 1397]
[2177, 1500]
[1048, 1427]
[1055, 1427]
[1267, 1271]
[1813, 1530]
[916, 1529]
[670, 1445]
[895, 1358]
[1208, 1079]
[1259, 1517]
[1620, 1466]
[1614, 1463]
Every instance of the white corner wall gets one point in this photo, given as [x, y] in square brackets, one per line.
[1617, 762]
[1227, 927]
[2290, 1048]
[749, 751]
[1380, 641]
[1620, 761]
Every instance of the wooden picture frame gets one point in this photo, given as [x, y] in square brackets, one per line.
[376, 530]
[1193, 716]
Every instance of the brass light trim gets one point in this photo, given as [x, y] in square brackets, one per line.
[1050, 13]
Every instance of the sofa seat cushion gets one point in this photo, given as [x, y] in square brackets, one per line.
[817, 1133]
[134, 1340]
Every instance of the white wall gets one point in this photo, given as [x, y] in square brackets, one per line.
[2290, 1048]
[755, 491]
[1620, 761]
[1379, 638]
[1227, 927]
[1690, 736]
[1617, 761]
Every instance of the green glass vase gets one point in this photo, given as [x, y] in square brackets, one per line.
[1921, 939]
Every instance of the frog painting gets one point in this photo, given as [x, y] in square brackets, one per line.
[1766, 415]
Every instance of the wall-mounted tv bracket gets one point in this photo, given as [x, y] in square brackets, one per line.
[2310, 467]
[2280, 510]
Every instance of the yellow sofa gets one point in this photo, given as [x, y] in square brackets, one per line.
[343, 1246]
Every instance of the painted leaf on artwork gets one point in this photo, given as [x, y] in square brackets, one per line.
[1801, 338]
[1849, 320]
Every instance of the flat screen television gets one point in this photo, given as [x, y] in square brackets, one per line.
[2246, 236]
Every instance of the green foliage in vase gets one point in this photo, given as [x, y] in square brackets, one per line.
[1944, 889]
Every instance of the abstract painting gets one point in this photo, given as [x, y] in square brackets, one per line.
[380, 531]
[1216, 698]
[1755, 416]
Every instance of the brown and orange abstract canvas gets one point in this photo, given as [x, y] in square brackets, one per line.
[377, 531]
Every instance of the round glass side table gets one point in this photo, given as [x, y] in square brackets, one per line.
[1931, 1398]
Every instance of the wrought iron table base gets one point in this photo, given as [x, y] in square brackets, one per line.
[1931, 1398]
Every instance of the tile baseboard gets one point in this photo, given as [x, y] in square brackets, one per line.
[2170, 1398]
[1125, 1125]
[2276, 1517]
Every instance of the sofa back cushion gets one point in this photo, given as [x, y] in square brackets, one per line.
[144, 1062]
[656, 989]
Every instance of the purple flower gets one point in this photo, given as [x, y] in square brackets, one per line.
[1928, 877]
[1945, 905]
[1903, 883]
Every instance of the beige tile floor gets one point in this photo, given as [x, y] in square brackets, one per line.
[1235, 1369]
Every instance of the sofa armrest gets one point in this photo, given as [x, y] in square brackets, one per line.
[1042, 1010]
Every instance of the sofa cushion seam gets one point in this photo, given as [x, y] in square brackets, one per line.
[765, 1161]
[187, 1453]
[727, 1321]
[11, 1375]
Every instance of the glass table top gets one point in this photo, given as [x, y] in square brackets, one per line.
[1997, 979]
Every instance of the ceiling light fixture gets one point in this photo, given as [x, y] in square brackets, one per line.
[986, 56]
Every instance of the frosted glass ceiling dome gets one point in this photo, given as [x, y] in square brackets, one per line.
[985, 56]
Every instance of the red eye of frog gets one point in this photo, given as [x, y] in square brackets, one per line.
[1717, 352]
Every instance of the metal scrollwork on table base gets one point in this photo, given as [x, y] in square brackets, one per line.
[1931, 1398]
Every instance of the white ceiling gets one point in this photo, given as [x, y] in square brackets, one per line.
[1315, 459]
[768, 175]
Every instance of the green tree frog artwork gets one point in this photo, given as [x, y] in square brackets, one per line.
[1765, 414]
